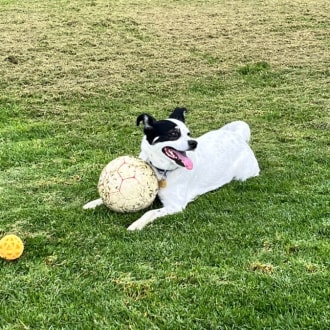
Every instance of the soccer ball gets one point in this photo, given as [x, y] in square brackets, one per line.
[127, 184]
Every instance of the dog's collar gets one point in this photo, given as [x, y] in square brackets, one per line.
[160, 171]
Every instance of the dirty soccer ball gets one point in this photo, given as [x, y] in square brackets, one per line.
[127, 184]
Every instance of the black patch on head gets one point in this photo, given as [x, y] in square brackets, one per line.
[163, 130]
[158, 131]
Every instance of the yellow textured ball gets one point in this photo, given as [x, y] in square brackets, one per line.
[11, 247]
[127, 184]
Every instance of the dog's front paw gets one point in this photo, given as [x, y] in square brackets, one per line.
[149, 217]
[136, 226]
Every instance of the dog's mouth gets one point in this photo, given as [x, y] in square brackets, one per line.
[180, 157]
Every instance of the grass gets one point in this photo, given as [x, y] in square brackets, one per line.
[74, 76]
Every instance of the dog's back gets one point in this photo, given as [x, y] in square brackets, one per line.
[240, 128]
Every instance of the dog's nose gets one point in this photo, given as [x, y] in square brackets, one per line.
[192, 144]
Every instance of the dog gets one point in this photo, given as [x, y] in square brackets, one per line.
[187, 168]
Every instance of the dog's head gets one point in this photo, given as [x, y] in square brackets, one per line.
[167, 141]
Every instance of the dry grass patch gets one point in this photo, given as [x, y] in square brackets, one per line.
[91, 47]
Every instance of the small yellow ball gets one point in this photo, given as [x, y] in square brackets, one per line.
[11, 247]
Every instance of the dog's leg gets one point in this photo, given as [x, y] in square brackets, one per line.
[93, 204]
[151, 216]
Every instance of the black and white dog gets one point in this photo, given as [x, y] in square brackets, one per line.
[186, 167]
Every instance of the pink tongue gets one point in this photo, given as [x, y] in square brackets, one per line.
[187, 162]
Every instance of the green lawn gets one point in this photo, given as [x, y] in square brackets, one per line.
[74, 77]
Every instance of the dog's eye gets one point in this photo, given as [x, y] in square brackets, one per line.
[175, 133]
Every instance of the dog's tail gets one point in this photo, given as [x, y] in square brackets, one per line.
[240, 128]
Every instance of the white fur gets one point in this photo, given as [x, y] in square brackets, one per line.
[221, 156]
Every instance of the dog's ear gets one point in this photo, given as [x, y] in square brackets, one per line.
[148, 121]
[179, 113]
[149, 126]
